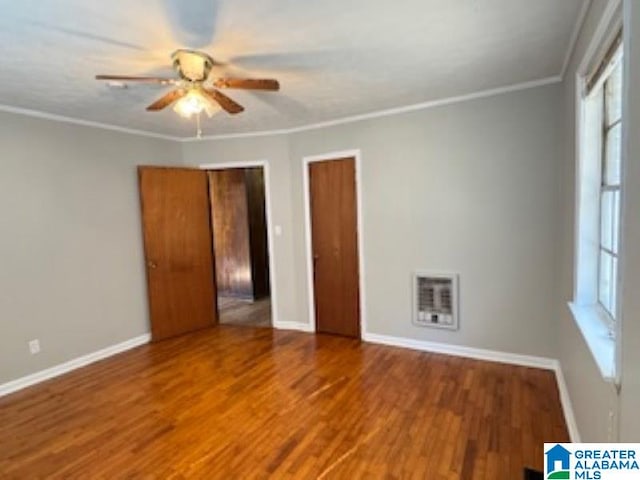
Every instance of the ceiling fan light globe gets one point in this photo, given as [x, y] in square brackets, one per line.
[194, 103]
[211, 109]
[189, 105]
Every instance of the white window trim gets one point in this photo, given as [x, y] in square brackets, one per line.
[610, 317]
[589, 315]
[592, 323]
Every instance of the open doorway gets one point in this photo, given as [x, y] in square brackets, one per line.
[241, 245]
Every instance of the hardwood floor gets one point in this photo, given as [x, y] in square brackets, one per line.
[234, 311]
[243, 403]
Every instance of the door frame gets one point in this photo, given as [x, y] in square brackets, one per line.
[306, 162]
[267, 200]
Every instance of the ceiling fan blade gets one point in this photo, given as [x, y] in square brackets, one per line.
[125, 78]
[86, 35]
[248, 83]
[225, 102]
[166, 100]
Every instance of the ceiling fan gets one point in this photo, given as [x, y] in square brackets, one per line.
[195, 90]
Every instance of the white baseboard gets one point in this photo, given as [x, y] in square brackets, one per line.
[460, 351]
[42, 375]
[567, 408]
[299, 326]
[492, 356]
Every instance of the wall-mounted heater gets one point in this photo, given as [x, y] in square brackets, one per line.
[435, 299]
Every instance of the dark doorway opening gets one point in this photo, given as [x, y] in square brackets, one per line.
[240, 245]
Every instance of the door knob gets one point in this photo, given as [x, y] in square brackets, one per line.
[152, 264]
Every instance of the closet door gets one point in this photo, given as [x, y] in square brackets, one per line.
[334, 239]
[178, 250]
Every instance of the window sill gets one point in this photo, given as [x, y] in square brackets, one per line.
[595, 332]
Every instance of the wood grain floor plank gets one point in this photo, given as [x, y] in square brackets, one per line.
[250, 313]
[243, 402]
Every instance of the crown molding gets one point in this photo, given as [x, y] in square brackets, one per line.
[85, 123]
[229, 136]
[285, 131]
[387, 112]
[577, 27]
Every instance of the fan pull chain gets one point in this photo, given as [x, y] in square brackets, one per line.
[199, 130]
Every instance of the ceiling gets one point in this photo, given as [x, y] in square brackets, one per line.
[334, 58]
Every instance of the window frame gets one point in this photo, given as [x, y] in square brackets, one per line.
[601, 334]
[609, 316]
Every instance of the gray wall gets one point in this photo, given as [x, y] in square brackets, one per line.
[469, 188]
[275, 150]
[629, 417]
[71, 269]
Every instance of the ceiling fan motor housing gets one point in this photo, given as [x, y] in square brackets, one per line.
[192, 65]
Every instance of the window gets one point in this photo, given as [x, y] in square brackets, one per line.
[610, 172]
[599, 198]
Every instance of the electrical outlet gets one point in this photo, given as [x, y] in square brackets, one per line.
[34, 346]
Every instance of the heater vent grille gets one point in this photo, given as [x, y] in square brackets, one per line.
[436, 300]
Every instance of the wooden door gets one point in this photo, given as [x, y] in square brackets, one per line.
[334, 238]
[178, 250]
[240, 232]
[229, 213]
[256, 202]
